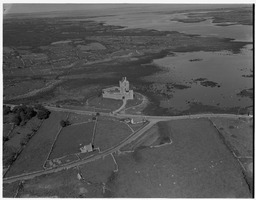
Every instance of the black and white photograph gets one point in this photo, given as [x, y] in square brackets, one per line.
[128, 100]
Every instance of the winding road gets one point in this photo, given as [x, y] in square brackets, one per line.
[152, 120]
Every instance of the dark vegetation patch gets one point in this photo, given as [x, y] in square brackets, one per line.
[248, 76]
[190, 20]
[195, 60]
[246, 93]
[200, 79]
[178, 86]
[209, 84]
[204, 82]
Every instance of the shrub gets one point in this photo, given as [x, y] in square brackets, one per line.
[5, 138]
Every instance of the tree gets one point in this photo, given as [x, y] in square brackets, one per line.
[64, 123]
[6, 110]
[30, 112]
[16, 120]
[16, 109]
[43, 114]
[39, 107]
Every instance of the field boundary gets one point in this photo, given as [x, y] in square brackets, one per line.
[229, 147]
[94, 130]
[53, 144]
[23, 147]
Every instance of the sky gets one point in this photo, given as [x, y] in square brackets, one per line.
[34, 8]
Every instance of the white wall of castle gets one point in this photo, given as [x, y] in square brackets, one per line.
[127, 95]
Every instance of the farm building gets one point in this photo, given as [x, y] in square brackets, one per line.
[121, 92]
[86, 148]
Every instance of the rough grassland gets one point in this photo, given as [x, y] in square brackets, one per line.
[71, 138]
[64, 184]
[109, 133]
[196, 164]
[9, 189]
[77, 118]
[34, 154]
[98, 171]
[239, 133]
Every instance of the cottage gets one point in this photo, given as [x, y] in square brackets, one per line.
[86, 148]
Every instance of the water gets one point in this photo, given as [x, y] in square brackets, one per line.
[223, 67]
[162, 22]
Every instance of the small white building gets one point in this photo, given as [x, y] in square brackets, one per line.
[137, 120]
[86, 148]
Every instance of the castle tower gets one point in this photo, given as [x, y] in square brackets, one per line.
[124, 85]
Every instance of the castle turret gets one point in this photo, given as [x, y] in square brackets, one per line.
[124, 85]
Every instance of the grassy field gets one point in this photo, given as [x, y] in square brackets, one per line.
[103, 103]
[34, 154]
[66, 184]
[197, 164]
[98, 171]
[109, 133]
[76, 118]
[71, 138]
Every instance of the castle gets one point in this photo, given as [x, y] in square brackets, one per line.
[121, 92]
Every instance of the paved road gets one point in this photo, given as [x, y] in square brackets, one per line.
[149, 117]
[152, 120]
